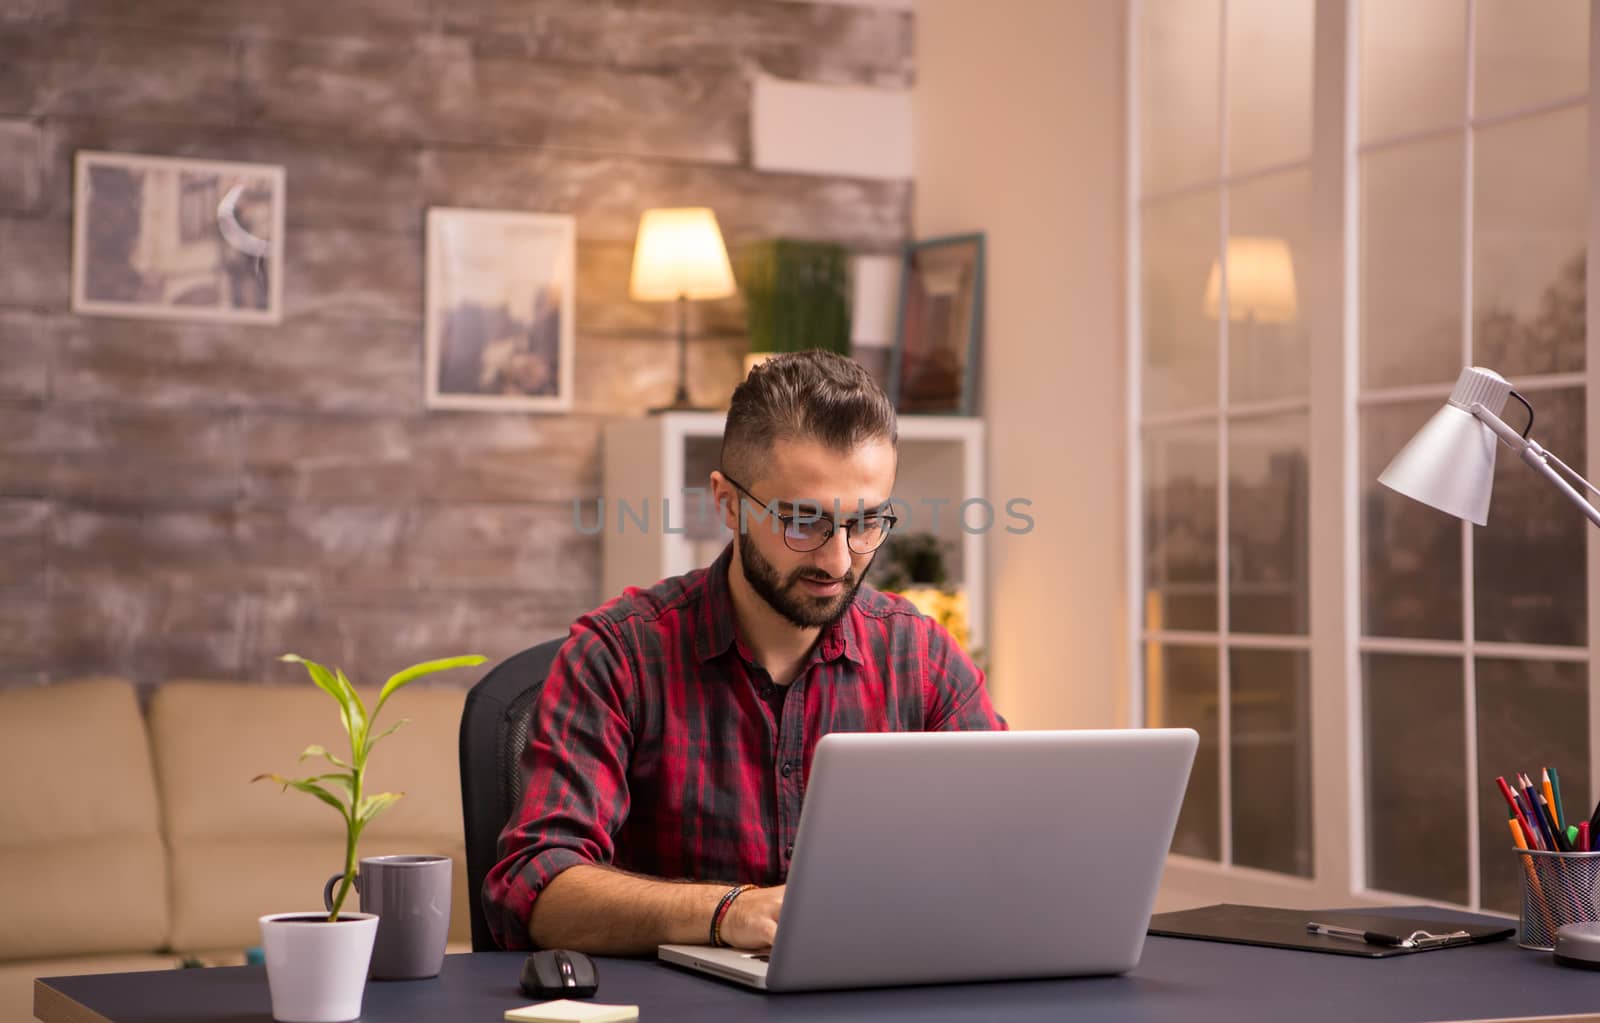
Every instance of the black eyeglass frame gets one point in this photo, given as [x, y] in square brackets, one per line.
[889, 519]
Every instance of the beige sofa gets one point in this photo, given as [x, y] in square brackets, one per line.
[132, 840]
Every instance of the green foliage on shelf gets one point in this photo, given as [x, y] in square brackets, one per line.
[910, 559]
[797, 295]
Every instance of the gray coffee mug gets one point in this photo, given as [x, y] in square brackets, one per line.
[411, 896]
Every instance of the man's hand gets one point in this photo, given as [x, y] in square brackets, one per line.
[752, 919]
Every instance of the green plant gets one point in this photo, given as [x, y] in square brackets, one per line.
[914, 566]
[796, 295]
[910, 559]
[356, 808]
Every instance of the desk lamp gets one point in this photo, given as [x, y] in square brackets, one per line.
[679, 256]
[1449, 464]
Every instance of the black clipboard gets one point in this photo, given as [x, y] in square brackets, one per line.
[1286, 928]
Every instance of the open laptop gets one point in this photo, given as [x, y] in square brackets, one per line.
[926, 857]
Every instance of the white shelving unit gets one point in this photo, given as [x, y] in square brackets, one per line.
[652, 464]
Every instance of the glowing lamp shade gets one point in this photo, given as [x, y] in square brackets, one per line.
[1260, 282]
[1449, 463]
[679, 254]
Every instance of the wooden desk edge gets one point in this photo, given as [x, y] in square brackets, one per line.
[1587, 1017]
[51, 1006]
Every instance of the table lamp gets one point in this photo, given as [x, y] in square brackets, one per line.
[679, 256]
[1449, 463]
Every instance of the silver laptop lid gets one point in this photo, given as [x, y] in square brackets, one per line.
[946, 856]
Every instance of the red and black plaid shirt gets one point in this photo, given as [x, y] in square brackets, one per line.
[653, 746]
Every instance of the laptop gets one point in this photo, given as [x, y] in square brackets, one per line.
[929, 857]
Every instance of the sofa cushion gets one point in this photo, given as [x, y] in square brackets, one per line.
[240, 850]
[82, 867]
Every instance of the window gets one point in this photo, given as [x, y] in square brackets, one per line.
[1463, 242]
[1473, 199]
[1224, 223]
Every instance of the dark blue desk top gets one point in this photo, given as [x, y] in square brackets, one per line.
[1177, 979]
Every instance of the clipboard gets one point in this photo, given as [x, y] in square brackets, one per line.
[1286, 928]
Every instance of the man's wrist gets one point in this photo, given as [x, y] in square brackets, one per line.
[724, 906]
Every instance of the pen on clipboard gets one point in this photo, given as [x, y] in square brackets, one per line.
[1416, 939]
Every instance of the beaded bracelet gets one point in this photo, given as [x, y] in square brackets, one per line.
[722, 911]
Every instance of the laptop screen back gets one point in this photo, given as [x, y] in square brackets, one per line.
[925, 857]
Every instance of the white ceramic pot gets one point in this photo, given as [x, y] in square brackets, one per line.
[316, 970]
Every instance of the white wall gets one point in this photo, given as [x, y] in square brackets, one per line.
[1019, 133]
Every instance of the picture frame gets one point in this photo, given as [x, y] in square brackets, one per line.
[159, 237]
[499, 310]
[936, 357]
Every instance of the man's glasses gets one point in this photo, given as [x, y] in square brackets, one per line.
[805, 533]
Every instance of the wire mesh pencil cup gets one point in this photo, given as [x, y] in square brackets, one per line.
[1557, 889]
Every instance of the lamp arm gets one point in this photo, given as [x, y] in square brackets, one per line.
[1572, 473]
[1536, 458]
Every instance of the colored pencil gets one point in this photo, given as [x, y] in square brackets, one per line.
[1533, 877]
[1538, 818]
[1516, 808]
[1555, 787]
[1550, 796]
[1562, 845]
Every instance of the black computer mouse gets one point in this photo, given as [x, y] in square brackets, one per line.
[557, 973]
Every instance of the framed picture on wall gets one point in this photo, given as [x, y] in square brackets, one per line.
[169, 238]
[499, 317]
[936, 356]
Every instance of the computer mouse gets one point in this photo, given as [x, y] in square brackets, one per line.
[557, 973]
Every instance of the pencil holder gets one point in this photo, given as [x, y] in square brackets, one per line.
[1557, 889]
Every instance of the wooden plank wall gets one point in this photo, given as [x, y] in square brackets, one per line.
[190, 500]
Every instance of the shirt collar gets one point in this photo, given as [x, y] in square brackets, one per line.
[717, 631]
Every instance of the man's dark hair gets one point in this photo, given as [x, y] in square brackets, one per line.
[811, 395]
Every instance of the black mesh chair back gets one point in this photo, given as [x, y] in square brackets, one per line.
[494, 729]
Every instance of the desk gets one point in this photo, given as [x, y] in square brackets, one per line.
[1177, 979]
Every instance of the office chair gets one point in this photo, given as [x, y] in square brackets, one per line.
[494, 729]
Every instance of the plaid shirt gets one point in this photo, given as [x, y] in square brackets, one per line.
[652, 747]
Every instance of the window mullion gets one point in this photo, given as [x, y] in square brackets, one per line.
[1591, 366]
[1469, 602]
[1224, 664]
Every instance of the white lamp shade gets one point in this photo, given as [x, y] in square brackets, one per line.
[679, 254]
[1449, 464]
[1260, 282]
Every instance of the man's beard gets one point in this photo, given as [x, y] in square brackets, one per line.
[788, 598]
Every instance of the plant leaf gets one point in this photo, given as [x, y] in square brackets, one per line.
[308, 785]
[358, 711]
[318, 751]
[375, 804]
[348, 781]
[386, 733]
[328, 684]
[416, 671]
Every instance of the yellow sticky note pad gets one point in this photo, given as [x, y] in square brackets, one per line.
[565, 1010]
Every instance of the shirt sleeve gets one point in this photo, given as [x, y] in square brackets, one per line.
[576, 761]
[957, 696]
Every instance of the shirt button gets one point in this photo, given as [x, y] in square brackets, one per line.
[788, 852]
[787, 769]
